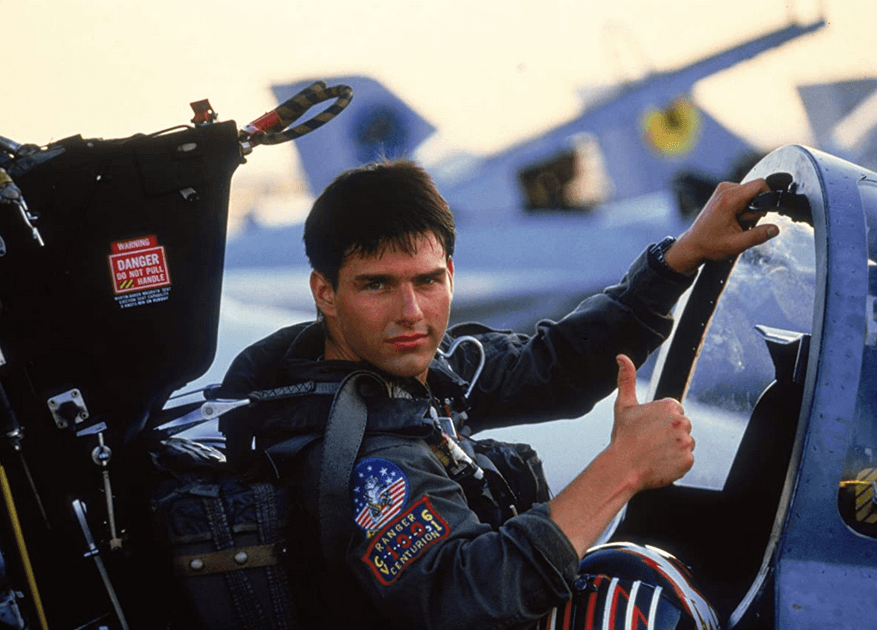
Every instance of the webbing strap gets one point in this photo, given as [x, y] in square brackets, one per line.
[345, 429]
[268, 519]
[289, 391]
[251, 615]
[232, 559]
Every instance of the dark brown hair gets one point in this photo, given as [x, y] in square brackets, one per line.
[372, 207]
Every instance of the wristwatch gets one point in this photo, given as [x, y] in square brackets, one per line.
[656, 257]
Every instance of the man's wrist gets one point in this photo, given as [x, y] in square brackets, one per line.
[663, 257]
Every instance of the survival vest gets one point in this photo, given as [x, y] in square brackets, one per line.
[222, 517]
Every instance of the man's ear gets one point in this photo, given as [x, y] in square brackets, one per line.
[324, 294]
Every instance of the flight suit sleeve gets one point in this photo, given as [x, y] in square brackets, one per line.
[567, 366]
[424, 559]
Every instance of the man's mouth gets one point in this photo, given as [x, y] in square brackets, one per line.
[407, 341]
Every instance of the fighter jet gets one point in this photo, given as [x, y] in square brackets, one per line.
[773, 357]
[632, 168]
[779, 345]
[639, 137]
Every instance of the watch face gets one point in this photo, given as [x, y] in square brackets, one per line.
[666, 244]
[657, 251]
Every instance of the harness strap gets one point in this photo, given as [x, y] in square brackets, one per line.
[232, 559]
[268, 519]
[345, 429]
[252, 617]
[194, 414]
[289, 391]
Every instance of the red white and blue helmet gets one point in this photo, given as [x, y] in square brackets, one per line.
[623, 586]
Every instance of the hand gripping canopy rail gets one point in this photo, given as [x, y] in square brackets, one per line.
[111, 260]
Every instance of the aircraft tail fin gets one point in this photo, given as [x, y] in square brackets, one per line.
[376, 125]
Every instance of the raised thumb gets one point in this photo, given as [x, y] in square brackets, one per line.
[626, 383]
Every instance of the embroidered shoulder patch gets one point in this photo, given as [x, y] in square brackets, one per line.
[403, 541]
[380, 491]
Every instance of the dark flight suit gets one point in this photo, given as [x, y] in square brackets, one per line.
[422, 550]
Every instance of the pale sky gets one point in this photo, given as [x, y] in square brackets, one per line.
[485, 72]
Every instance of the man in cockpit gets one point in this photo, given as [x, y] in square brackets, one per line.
[442, 530]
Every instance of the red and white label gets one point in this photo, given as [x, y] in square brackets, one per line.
[138, 264]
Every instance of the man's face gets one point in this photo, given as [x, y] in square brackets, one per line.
[390, 309]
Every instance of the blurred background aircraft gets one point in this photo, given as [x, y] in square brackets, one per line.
[638, 137]
[635, 165]
[488, 75]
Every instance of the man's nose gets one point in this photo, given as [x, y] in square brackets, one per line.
[410, 304]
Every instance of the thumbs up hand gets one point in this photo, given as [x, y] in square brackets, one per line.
[654, 438]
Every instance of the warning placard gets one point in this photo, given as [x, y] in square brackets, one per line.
[138, 264]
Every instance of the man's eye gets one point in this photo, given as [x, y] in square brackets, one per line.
[376, 285]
